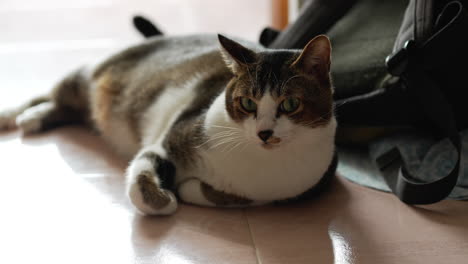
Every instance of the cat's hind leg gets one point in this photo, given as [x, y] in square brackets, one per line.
[68, 103]
[8, 117]
[149, 177]
[45, 116]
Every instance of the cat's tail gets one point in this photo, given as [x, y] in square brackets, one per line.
[145, 27]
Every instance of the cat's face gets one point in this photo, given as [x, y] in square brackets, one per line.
[275, 94]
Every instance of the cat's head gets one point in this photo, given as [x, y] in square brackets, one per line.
[276, 93]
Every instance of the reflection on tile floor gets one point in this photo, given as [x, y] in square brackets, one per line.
[61, 193]
[62, 196]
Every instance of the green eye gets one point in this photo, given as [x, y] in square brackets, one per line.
[248, 104]
[290, 105]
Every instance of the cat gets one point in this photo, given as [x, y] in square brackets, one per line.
[205, 118]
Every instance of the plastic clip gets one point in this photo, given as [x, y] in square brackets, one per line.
[397, 62]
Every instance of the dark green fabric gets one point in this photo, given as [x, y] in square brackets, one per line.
[317, 17]
[361, 40]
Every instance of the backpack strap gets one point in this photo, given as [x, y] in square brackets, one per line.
[411, 64]
[417, 23]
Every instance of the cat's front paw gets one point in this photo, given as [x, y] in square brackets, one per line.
[149, 198]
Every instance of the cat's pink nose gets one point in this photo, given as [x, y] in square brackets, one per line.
[265, 135]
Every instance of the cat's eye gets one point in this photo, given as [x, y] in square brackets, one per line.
[290, 105]
[248, 105]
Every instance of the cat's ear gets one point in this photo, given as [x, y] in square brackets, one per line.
[237, 57]
[315, 58]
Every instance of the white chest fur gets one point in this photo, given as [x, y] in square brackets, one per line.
[266, 174]
[161, 115]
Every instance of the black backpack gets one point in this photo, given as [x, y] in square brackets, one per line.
[397, 65]
[429, 40]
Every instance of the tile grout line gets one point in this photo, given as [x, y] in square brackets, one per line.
[251, 236]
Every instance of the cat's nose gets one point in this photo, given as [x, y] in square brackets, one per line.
[265, 135]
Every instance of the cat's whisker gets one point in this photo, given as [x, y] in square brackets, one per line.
[231, 146]
[217, 136]
[312, 123]
[232, 142]
[236, 136]
[245, 146]
[225, 129]
[224, 141]
[317, 120]
[235, 146]
[206, 142]
[234, 128]
[221, 143]
[337, 105]
[225, 133]
[232, 132]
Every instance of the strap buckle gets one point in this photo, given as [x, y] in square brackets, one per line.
[398, 62]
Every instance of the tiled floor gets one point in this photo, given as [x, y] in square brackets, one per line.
[61, 193]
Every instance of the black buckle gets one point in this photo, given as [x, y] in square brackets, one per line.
[397, 62]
